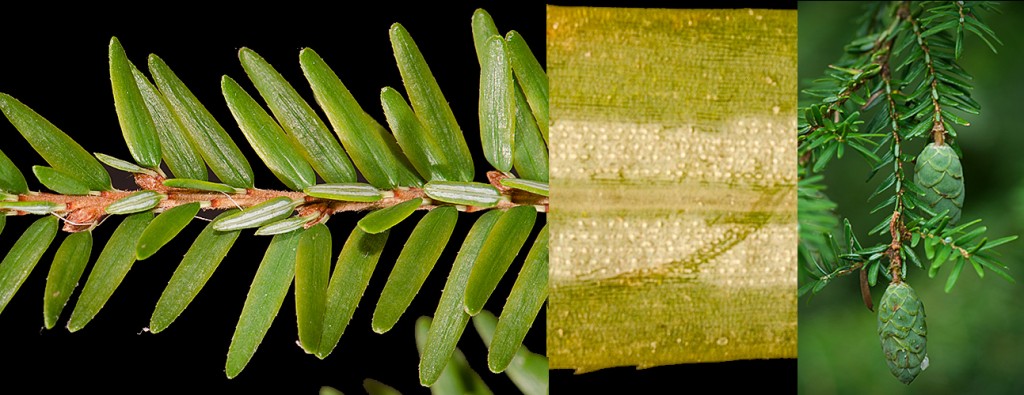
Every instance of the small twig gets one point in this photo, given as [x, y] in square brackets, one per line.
[960, 250]
[938, 129]
[896, 225]
[85, 212]
[893, 252]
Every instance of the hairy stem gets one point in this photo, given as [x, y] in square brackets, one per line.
[84, 212]
[896, 226]
[938, 129]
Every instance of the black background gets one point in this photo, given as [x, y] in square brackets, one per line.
[57, 65]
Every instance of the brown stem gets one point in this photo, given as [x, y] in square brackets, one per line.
[895, 262]
[84, 212]
[896, 226]
[938, 129]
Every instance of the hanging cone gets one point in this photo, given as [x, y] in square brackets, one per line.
[903, 332]
[939, 174]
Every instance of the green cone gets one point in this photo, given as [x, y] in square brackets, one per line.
[939, 174]
[903, 332]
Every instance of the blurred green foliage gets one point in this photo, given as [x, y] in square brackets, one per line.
[972, 331]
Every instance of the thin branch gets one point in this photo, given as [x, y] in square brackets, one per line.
[884, 41]
[896, 226]
[960, 250]
[84, 212]
[938, 129]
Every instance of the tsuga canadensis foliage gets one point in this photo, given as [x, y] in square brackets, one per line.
[897, 85]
